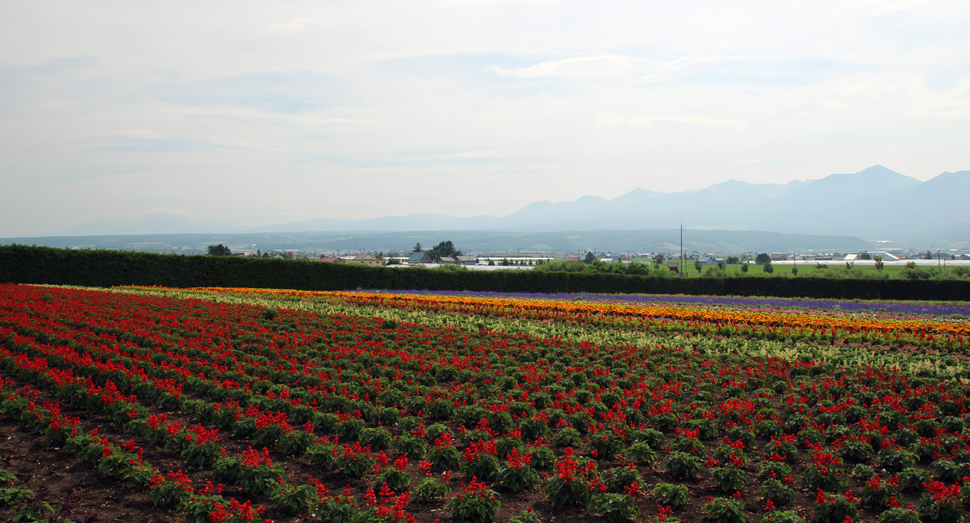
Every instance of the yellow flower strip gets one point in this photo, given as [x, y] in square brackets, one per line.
[544, 308]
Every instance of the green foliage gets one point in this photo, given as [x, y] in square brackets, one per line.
[431, 490]
[526, 516]
[863, 471]
[396, 480]
[295, 499]
[671, 495]
[295, 442]
[573, 491]
[875, 494]
[376, 437]
[940, 509]
[356, 465]
[783, 516]
[911, 479]
[830, 480]
[568, 437]
[615, 508]
[605, 445]
[729, 478]
[642, 454]
[777, 492]
[336, 509]
[724, 510]
[543, 458]
[444, 249]
[518, 478]
[444, 457]
[219, 250]
[411, 446]
[321, 457]
[476, 504]
[618, 479]
[482, 466]
[834, 509]
[683, 465]
[899, 515]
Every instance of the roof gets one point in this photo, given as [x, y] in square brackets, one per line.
[418, 256]
[329, 259]
[364, 256]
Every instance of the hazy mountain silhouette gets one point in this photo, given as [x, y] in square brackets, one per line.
[876, 203]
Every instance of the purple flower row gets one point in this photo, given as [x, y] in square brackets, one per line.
[917, 308]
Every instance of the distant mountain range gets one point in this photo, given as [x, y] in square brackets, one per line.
[874, 204]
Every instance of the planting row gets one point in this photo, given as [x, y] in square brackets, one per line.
[418, 418]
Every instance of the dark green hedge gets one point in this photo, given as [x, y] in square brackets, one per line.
[23, 264]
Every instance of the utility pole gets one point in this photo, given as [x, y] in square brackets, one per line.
[680, 266]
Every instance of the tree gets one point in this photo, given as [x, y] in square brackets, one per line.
[762, 259]
[878, 260]
[697, 266]
[219, 250]
[768, 268]
[417, 248]
[794, 271]
[864, 256]
[733, 260]
[744, 267]
[444, 250]
[590, 257]
[658, 259]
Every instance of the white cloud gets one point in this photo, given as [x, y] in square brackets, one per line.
[608, 119]
[296, 24]
[580, 67]
[677, 121]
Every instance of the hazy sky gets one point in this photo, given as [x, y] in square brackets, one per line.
[254, 113]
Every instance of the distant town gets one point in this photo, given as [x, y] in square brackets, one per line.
[531, 259]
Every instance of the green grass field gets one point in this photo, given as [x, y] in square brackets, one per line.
[809, 269]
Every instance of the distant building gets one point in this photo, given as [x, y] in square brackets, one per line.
[420, 257]
[466, 260]
[365, 259]
[330, 259]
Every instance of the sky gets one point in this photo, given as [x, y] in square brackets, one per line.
[254, 113]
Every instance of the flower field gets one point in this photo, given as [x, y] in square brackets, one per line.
[209, 405]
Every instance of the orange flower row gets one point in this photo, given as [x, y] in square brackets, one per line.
[550, 309]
